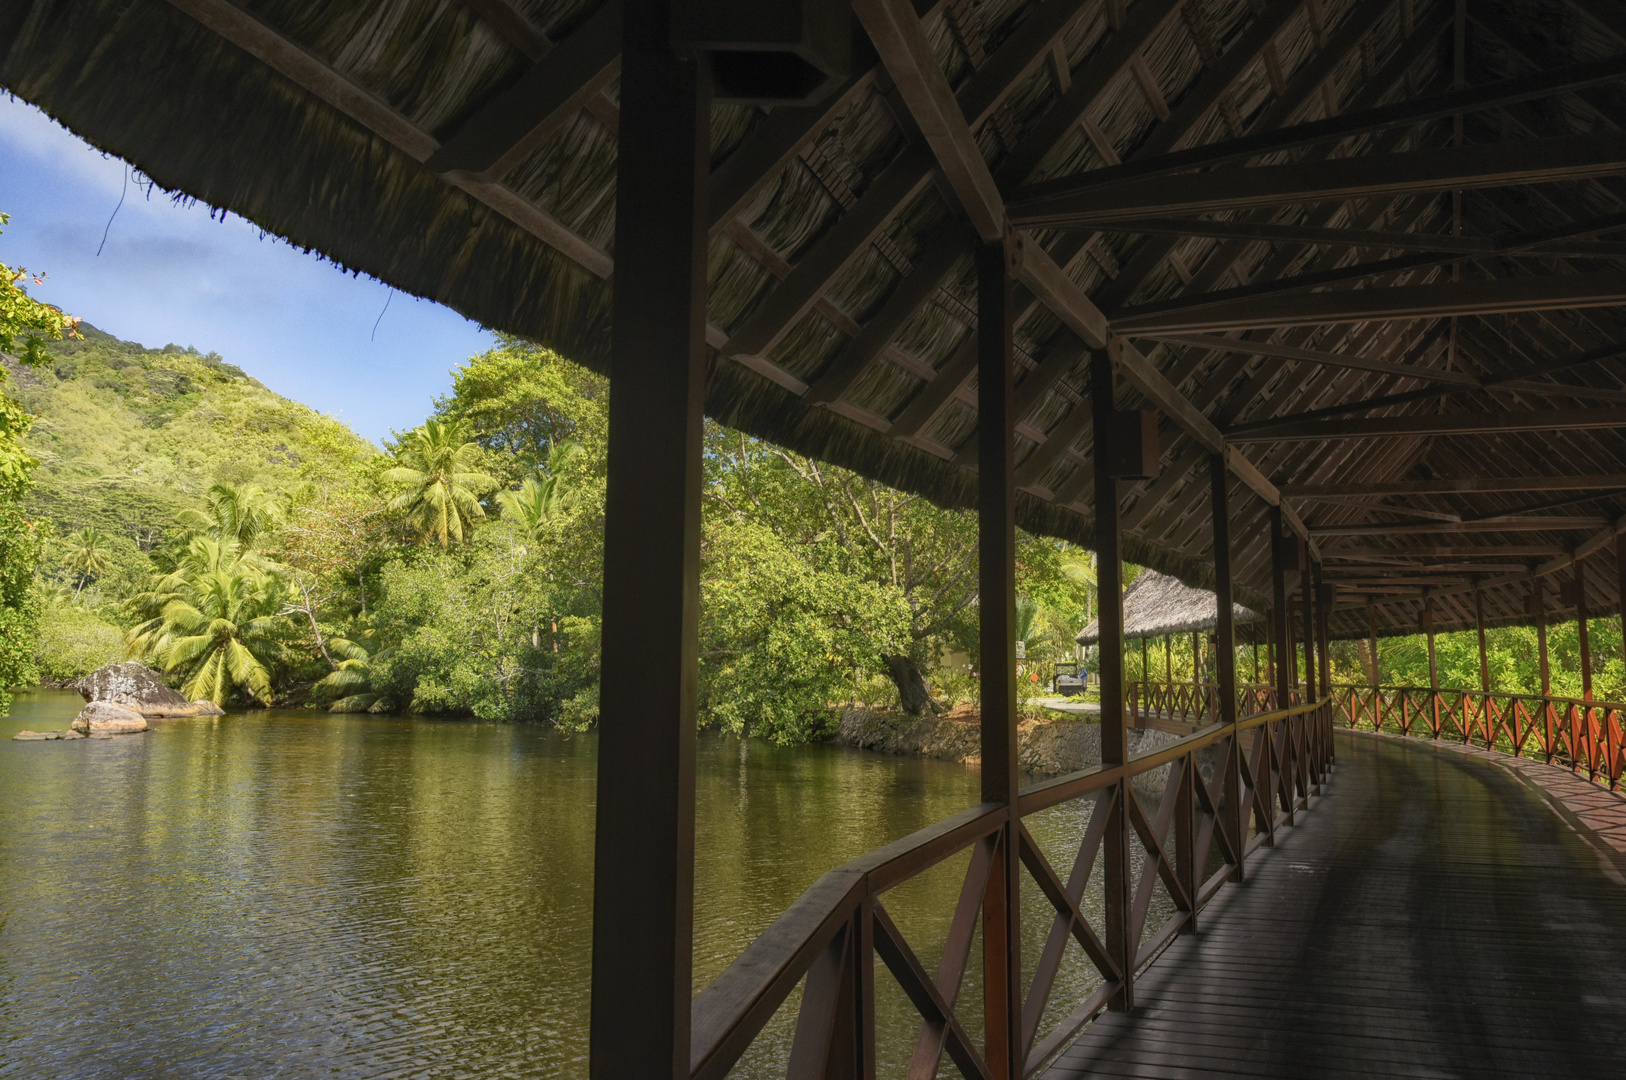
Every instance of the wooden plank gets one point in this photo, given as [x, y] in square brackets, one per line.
[896, 32]
[1418, 110]
[1450, 485]
[515, 122]
[1501, 296]
[1508, 524]
[1317, 356]
[1245, 229]
[1466, 423]
[1337, 180]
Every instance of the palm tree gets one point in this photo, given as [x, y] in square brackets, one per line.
[89, 553]
[538, 502]
[218, 617]
[242, 513]
[442, 499]
[352, 680]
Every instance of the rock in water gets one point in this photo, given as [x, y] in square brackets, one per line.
[105, 718]
[141, 689]
[29, 736]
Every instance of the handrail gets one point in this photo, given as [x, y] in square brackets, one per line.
[817, 935]
[1584, 736]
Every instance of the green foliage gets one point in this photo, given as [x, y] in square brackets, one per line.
[218, 620]
[781, 639]
[74, 641]
[19, 604]
[442, 497]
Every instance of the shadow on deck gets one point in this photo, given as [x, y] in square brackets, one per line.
[1435, 916]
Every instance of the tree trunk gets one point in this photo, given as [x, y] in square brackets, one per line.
[912, 688]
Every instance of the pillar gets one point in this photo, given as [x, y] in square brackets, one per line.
[996, 562]
[1620, 585]
[1581, 630]
[1372, 642]
[1428, 629]
[1307, 590]
[1168, 660]
[1479, 624]
[1115, 848]
[1538, 608]
[1225, 651]
[1280, 622]
[643, 877]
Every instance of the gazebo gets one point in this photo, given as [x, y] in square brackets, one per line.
[1283, 298]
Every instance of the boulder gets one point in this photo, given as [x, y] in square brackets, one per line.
[105, 718]
[141, 689]
[29, 736]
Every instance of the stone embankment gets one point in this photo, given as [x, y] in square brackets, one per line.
[1044, 747]
[120, 699]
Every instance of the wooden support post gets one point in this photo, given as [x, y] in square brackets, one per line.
[1307, 590]
[643, 876]
[1168, 660]
[1433, 668]
[1225, 654]
[1581, 629]
[1145, 664]
[1196, 658]
[996, 556]
[1283, 548]
[1479, 624]
[1372, 643]
[1620, 586]
[1538, 608]
[1114, 734]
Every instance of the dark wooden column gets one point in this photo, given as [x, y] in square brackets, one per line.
[1581, 629]
[1372, 643]
[1325, 596]
[1280, 551]
[1307, 590]
[1428, 630]
[1225, 649]
[1620, 584]
[1114, 729]
[1538, 608]
[1479, 624]
[643, 877]
[996, 559]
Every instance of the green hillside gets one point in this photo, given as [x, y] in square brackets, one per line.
[127, 437]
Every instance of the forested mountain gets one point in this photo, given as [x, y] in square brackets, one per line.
[128, 437]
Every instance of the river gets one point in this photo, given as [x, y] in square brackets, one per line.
[288, 894]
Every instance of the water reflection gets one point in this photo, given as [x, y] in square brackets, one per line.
[291, 894]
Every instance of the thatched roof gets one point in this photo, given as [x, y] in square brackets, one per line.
[1156, 604]
[842, 301]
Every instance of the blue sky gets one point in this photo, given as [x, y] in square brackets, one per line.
[171, 273]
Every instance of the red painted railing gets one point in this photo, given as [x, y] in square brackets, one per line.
[1585, 736]
[1254, 776]
[1196, 703]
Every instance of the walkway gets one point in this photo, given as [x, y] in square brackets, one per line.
[1434, 916]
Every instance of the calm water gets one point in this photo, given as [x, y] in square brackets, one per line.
[293, 894]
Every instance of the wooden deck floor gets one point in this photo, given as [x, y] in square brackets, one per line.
[1433, 917]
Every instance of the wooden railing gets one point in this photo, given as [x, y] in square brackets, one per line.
[1196, 703]
[1582, 735]
[1256, 774]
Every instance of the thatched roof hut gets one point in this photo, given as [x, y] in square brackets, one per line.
[1414, 384]
[1156, 604]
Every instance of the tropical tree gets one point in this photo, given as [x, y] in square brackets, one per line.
[541, 501]
[443, 487]
[89, 553]
[351, 681]
[242, 513]
[218, 618]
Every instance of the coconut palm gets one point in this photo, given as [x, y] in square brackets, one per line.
[241, 513]
[538, 502]
[351, 682]
[217, 617]
[443, 488]
[89, 554]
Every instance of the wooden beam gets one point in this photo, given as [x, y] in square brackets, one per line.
[1501, 296]
[1336, 128]
[1466, 423]
[1447, 486]
[514, 123]
[1316, 356]
[914, 290]
[895, 29]
[1437, 551]
[361, 105]
[1245, 229]
[1510, 524]
[1336, 180]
